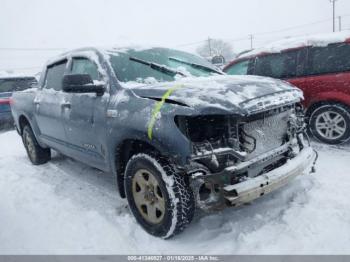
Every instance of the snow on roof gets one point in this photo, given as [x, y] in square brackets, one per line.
[91, 51]
[125, 48]
[296, 42]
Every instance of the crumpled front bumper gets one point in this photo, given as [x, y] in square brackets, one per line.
[254, 188]
[216, 191]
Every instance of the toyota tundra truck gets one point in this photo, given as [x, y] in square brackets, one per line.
[176, 133]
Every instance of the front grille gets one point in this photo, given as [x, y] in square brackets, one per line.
[265, 134]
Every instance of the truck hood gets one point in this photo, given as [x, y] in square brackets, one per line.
[233, 94]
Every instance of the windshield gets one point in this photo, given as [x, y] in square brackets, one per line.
[160, 64]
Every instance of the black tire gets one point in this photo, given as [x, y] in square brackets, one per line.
[333, 110]
[35, 152]
[179, 200]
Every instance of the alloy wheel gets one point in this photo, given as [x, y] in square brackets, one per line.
[29, 144]
[330, 125]
[148, 196]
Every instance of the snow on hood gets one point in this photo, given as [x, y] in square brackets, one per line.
[319, 40]
[229, 93]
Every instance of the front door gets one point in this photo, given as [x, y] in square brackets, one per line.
[85, 116]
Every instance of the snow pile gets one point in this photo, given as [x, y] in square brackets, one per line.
[319, 40]
[64, 207]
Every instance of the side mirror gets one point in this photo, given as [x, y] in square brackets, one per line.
[81, 83]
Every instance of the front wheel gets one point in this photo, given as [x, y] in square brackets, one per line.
[158, 196]
[331, 124]
[36, 153]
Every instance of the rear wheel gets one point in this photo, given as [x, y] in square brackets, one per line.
[331, 124]
[36, 153]
[159, 197]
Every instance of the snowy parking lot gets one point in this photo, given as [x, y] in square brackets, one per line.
[64, 207]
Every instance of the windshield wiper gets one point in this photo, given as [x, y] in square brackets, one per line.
[161, 68]
[194, 65]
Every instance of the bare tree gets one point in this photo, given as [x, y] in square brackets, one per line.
[216, 47]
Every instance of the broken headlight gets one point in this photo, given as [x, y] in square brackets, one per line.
[199, 129]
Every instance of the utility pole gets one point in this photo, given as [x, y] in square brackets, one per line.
[333, 3]
[251, 37]
[339, 18]
[209, 45]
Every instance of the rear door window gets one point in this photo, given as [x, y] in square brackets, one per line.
[54, 76]
[85, 66]
[331, 59]
[240, 68]
[283, 65]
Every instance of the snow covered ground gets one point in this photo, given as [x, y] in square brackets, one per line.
[65, 207]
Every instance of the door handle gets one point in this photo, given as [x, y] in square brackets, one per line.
[65, 104]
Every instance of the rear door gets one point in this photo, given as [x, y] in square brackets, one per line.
[326, 70]
[50, 103]
[84, 117]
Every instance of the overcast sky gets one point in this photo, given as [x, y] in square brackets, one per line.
[176, 23]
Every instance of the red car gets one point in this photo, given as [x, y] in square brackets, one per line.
[320, 66]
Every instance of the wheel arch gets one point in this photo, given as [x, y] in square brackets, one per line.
[22, 122]
[122, 154]
[324, 98]
[317, 104]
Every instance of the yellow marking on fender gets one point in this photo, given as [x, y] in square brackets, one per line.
[157, 109]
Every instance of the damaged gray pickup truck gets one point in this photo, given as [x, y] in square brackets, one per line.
[176, 133]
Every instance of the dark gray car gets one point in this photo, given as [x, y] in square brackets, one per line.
[174, 131]
[9, 85]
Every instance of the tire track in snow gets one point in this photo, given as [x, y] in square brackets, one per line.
[69, 182]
